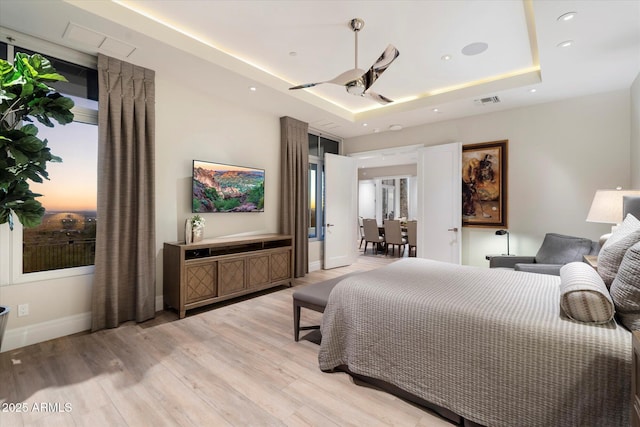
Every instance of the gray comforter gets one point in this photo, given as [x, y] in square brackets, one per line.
[490, 345]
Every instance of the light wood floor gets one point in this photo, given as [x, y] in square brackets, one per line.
[234, 365]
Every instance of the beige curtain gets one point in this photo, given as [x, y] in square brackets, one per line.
[295, 190]
[124, 279]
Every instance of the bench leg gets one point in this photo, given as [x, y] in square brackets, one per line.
[296, 320]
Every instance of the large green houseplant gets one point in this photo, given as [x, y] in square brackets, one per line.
[24, 94]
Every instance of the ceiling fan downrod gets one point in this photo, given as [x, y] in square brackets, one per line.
[356, 25]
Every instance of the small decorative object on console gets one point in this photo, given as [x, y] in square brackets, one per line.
[197, 228]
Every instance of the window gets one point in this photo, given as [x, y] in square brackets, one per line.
[395, 201]
[66, 238]
[318, 146]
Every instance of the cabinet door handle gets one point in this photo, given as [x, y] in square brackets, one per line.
[453, 229]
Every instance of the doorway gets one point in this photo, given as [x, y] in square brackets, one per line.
[388, 183]
[388, 197]
[436, 185]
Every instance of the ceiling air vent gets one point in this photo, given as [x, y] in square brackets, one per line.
[485, 101]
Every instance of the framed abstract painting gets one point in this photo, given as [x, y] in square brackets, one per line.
[484, 184]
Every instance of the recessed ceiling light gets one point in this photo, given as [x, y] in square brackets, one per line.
[376, 130]
[445, 57]
[293, 53]
[395, 127]
[253, 88]
[474, 48]
[365, 124]
[567, 16]
[533, 90]
[435, 110]
[566, 43]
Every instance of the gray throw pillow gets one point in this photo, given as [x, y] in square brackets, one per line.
[625, 289]
[583, 295]
[613, 250]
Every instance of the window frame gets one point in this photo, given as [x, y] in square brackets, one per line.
[318, 160]
[319, 225]
[11, 242]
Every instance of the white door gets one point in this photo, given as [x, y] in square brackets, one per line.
[440, 202]
[341, 211]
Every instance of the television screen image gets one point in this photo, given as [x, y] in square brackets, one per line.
[227, 188]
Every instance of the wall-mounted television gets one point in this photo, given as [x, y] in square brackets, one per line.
[226, 188]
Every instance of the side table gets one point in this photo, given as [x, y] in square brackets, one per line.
[592, 260]
[489, 256]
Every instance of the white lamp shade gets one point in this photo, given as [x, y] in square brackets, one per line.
[607, 206]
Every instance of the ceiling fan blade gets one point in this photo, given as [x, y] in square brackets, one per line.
[347, 77]
[388, 56]
[342, 79]
[306, 85]
[379, 98]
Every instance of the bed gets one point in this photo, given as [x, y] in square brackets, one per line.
[490, 346]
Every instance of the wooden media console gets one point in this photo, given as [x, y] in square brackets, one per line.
[218, 269]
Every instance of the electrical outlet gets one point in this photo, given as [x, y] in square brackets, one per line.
[23, 310]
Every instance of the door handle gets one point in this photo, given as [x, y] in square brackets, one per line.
[455, 229]
[330, 225]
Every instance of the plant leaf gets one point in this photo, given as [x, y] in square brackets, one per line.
[30, 143]
[27, 89]
[22, 63]
[23, 156]
[18, 155]
[6, 96]
[29, 130]
[30, 213]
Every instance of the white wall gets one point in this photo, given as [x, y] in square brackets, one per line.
[190, 124]
[635, 133]
[367, 199]
[316, 255]
[559, 154]
[207, 128]
[387, 171]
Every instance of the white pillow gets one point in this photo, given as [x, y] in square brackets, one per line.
[612, 252]
[625, 289]
[583, 295]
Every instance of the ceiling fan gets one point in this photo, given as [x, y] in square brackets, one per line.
[357, 81]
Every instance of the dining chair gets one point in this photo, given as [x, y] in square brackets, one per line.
[412, 237]
[393, 236]
[371, 234]
[361, 229]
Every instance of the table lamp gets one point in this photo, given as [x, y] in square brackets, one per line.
[502, 233]
[607, 207]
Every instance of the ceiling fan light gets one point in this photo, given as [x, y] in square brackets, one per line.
[356, 87]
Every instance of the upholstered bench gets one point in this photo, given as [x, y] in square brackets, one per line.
[314, 297]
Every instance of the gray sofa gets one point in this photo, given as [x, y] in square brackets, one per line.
[556, 251]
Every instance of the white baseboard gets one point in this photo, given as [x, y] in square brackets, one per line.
[315, 265]
[33, 334]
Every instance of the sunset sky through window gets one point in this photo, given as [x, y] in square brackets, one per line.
[72, 184]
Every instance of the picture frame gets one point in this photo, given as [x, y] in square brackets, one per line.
[484, 184]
